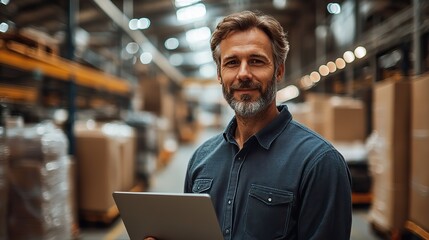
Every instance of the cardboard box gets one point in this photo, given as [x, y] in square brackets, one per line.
[317, 104]
[127, 151]
[338, 119]
[389, 159]
[105, 158]
[344, 120]
[99, 170]
[300, 113]
[419, 179]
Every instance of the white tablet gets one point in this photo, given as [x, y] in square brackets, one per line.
[168, 216]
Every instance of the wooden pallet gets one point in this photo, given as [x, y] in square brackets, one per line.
[393, 234]
[417, 230]
[361, 198]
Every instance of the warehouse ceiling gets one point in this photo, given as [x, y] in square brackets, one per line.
[104, 41]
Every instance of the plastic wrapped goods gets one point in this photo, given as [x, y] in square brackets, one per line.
[4, 153]
[39, 202]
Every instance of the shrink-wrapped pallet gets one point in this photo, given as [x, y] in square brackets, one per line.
[38, 182]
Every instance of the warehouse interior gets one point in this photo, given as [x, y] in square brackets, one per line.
[100, 96]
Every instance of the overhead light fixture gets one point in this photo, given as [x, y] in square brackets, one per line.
[146, 58]
[4, 27]
[360, 52]
[287, 93]
[184, 3]
[133, 24]
[191, 13]
[340, 63]
[198, 34]
[349, 56]
[332, 67]
[334, 8]
[5, 2]
[142, 23]
[280, 4]
[306, 82]
[132, 48]
[171, 43]
[314, 77]
[324, 70]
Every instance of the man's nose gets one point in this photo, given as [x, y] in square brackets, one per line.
[244, 72]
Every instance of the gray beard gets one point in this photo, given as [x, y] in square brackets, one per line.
[246, 108]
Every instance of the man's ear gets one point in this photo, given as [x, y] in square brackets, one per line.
[280, 72]
[219, 78]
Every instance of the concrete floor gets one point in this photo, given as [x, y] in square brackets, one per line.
[171, 179]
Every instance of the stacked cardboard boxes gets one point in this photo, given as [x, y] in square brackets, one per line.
[419, 179]
[344, 120]
[338, 119]
[389, 157]
[105, 156]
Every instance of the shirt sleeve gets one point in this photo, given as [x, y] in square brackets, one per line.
[326, 207]
[188, 181]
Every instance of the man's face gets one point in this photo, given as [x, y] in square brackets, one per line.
[247, 72]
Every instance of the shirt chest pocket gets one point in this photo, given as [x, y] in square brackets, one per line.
[202, 185]
[267, 212]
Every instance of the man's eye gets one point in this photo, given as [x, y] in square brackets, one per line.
[256, 61]
[231, 63]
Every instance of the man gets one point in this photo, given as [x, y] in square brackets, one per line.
[268, 176]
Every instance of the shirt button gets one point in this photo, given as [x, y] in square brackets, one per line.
[229, 202]
[227, 231]
[270, 199]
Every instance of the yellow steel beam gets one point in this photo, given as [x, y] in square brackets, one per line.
[56, 67]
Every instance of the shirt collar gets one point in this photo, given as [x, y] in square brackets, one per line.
[268, 134]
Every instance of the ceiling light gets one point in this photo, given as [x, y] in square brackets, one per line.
[323, 70]
[146, 58]
[132, 48]
[192, 12]
[143, 23]
[133, 24]
[349, 56]
[306, 82]
[198, 34]
[340, 63]
[334, 8]
[360, 52]
[279, 4]
[5, 2]
[171, 43]
[314, 77]
[287, 93]
[184, 3]
[332, 67]
[4, 27]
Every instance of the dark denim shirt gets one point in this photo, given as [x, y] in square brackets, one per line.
[286, 182]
